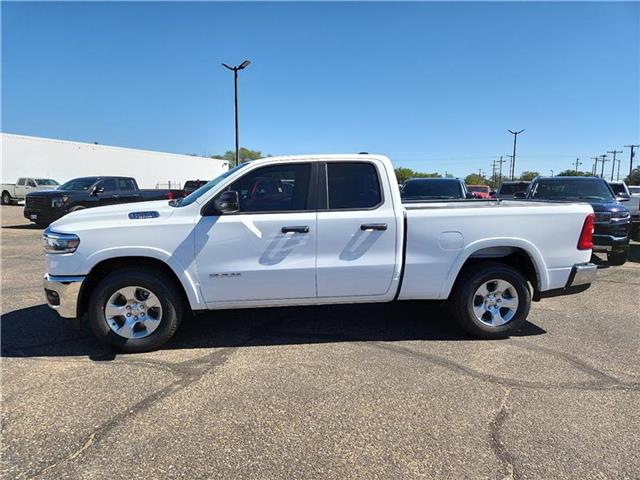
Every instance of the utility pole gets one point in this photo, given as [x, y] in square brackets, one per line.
[613, 166]
[513, 158]
[501, 162]
[578, 163]
[235, 69]
[603, 159]
[594, 169]
[618, 175]
[493, 174]
[631, 156]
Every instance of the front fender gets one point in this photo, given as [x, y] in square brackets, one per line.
[185, 273]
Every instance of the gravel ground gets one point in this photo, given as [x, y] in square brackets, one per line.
[369, 391]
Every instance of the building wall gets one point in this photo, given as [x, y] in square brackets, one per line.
[62, 160]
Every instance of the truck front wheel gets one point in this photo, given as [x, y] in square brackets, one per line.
[135, 311]
[6, 198]
[491, 300]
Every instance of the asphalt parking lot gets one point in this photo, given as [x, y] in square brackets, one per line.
[370, 391]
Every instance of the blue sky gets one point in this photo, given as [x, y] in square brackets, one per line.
[432, 85]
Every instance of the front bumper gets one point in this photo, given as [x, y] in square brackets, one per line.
[608, 243]
[62, 294]
[580, 279]
[44, 216]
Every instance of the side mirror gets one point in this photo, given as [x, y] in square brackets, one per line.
[471, 195]
[492, 193]
[623, 198]
[227, 202]
[521, 195]
[97, 189]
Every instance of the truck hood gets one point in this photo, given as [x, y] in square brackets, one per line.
[607, 207]
[117, 215]
[53, 192]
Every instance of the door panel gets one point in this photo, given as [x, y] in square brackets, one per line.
[356, 246]
[248, 257]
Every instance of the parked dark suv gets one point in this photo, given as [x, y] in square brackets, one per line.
[612, 219]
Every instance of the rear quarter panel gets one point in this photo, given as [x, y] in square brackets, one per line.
[441, 237]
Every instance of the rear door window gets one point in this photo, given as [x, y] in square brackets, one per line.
[126, 184]
[109, 184]
[353, 185]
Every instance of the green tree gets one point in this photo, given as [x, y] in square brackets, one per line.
[527, 175]
[475, 179]
[573, 173]
[403, 174]
[245, 155]
[634, 178]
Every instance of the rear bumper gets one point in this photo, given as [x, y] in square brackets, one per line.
[62, 294]
[580, 279]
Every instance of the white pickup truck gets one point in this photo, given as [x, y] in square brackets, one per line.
[305, 231]
[14, 192]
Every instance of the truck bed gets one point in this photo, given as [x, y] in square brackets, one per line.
[441, 236]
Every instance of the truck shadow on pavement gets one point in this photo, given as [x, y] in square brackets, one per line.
[39, 332]
[24, 226]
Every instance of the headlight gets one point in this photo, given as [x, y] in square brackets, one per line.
[60, 242]
[59, 202]
[620, 214]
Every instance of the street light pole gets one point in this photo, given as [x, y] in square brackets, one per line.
[631, 156]
[235, 69]
[513, 158]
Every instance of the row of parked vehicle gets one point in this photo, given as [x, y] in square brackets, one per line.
[46, 200]
[615, 224]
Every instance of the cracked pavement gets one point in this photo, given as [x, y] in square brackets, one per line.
[369, 391]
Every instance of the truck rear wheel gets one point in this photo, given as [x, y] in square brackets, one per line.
[6, 198]
[135, 311]
[491, 300]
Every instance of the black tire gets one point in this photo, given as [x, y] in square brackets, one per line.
[76, 208]
[6, 198]
[618, 258]
[161, 286]
[463, 296]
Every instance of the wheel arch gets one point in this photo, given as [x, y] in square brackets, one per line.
[517, 253]
[186, 288]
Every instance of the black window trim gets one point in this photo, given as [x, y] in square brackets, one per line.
[324, 182]
[209, 210]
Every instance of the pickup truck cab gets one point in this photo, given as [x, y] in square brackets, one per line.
[612, 219]
[45, 207]
[310, 230]
[14, 192]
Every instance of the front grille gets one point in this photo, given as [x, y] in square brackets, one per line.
[36, 202]
[603, 217]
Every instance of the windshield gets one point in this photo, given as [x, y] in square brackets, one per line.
[46, 181]
[587, 189]
[478, 189]
[426, 189]
[193, 196]
[78, 184]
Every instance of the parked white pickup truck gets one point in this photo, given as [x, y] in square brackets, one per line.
[14, 192]
[305, 231]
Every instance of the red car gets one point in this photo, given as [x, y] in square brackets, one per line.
[480, 191]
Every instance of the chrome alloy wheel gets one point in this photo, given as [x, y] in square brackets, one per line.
[495, 302]
[133, 312]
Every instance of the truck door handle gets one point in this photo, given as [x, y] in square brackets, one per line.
[296, 229]
[373, 226]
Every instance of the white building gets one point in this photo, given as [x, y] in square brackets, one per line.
[62, 160]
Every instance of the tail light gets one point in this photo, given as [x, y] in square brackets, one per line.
[585, 242]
